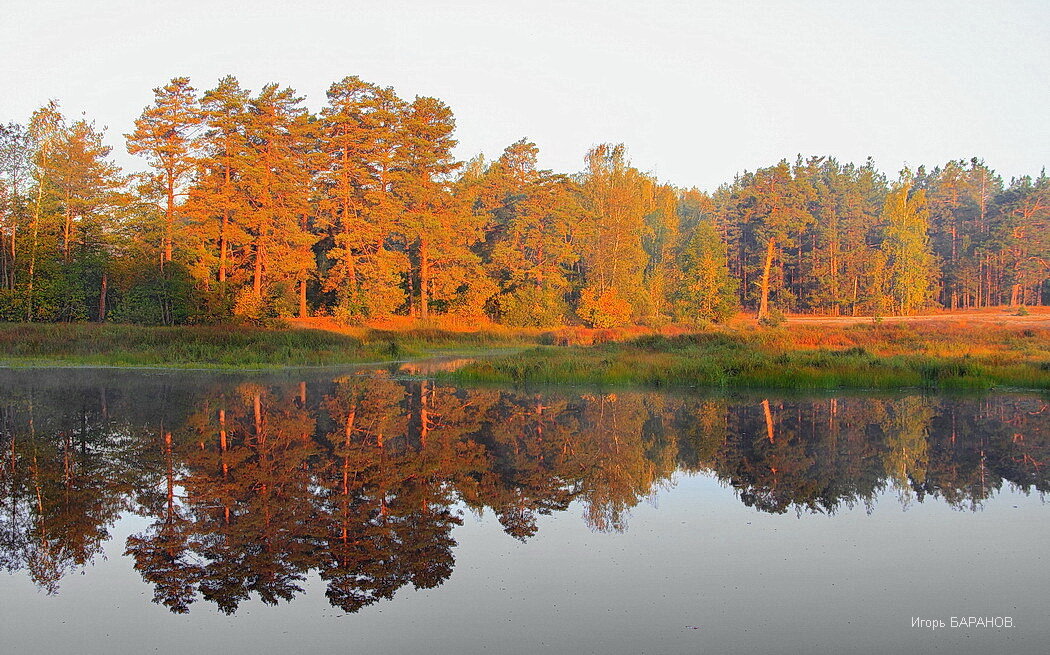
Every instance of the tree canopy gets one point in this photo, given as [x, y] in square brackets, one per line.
[253, 208]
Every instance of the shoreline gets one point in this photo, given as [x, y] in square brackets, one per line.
[936, 355]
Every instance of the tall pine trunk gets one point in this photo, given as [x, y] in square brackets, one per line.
[763, 305]
[258, 273]
[169, 220]
[222, 250]
[424, 278]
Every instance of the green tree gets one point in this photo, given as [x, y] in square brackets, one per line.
[46, 128]
[660, 238]
[910, 260]
[772, 204]
[615, 198]
[16, 160]
[1022, 238]
[706, 291]
[528, 215]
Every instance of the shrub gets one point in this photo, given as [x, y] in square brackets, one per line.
[12, 305]
[155, 297]
[248, 304]
[661, 320]
[775, 318]
[533, 306]
[604, 310]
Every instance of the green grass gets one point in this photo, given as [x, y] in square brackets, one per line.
[219, 347]
[857, 357]
[755, 360]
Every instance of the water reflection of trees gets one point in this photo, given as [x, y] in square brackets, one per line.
[251, 486]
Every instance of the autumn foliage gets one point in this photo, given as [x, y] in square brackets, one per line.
[254, 207]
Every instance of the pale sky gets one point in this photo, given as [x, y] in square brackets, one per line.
[697, 90]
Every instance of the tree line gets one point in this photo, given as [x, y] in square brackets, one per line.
[255, 208]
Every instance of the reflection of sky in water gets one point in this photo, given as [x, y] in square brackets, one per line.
[695, 571]
[749, 582]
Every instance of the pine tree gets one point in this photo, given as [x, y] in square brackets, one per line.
[277, 184]
[85, 182]
[528, 235]
[88, 193]
[166, 133]
[217, 203]
[359, 143]
[1022, 238]
[438, 229]
[773, 205]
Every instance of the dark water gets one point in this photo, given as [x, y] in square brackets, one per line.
[182, 512]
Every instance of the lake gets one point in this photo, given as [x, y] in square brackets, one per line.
[366, 512]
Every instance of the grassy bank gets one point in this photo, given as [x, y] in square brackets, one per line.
[221, 347]
[939, 356]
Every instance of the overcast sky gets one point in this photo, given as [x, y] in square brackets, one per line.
[698, 91]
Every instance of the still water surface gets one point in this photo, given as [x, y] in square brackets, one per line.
[186, 512]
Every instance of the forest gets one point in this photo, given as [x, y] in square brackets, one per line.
[253, 208]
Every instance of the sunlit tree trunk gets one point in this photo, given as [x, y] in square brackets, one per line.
[223, 448]
[424, 278]
[424, 412]
[769, 420]
[763, 306]
[258, 272]
[223, 246]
